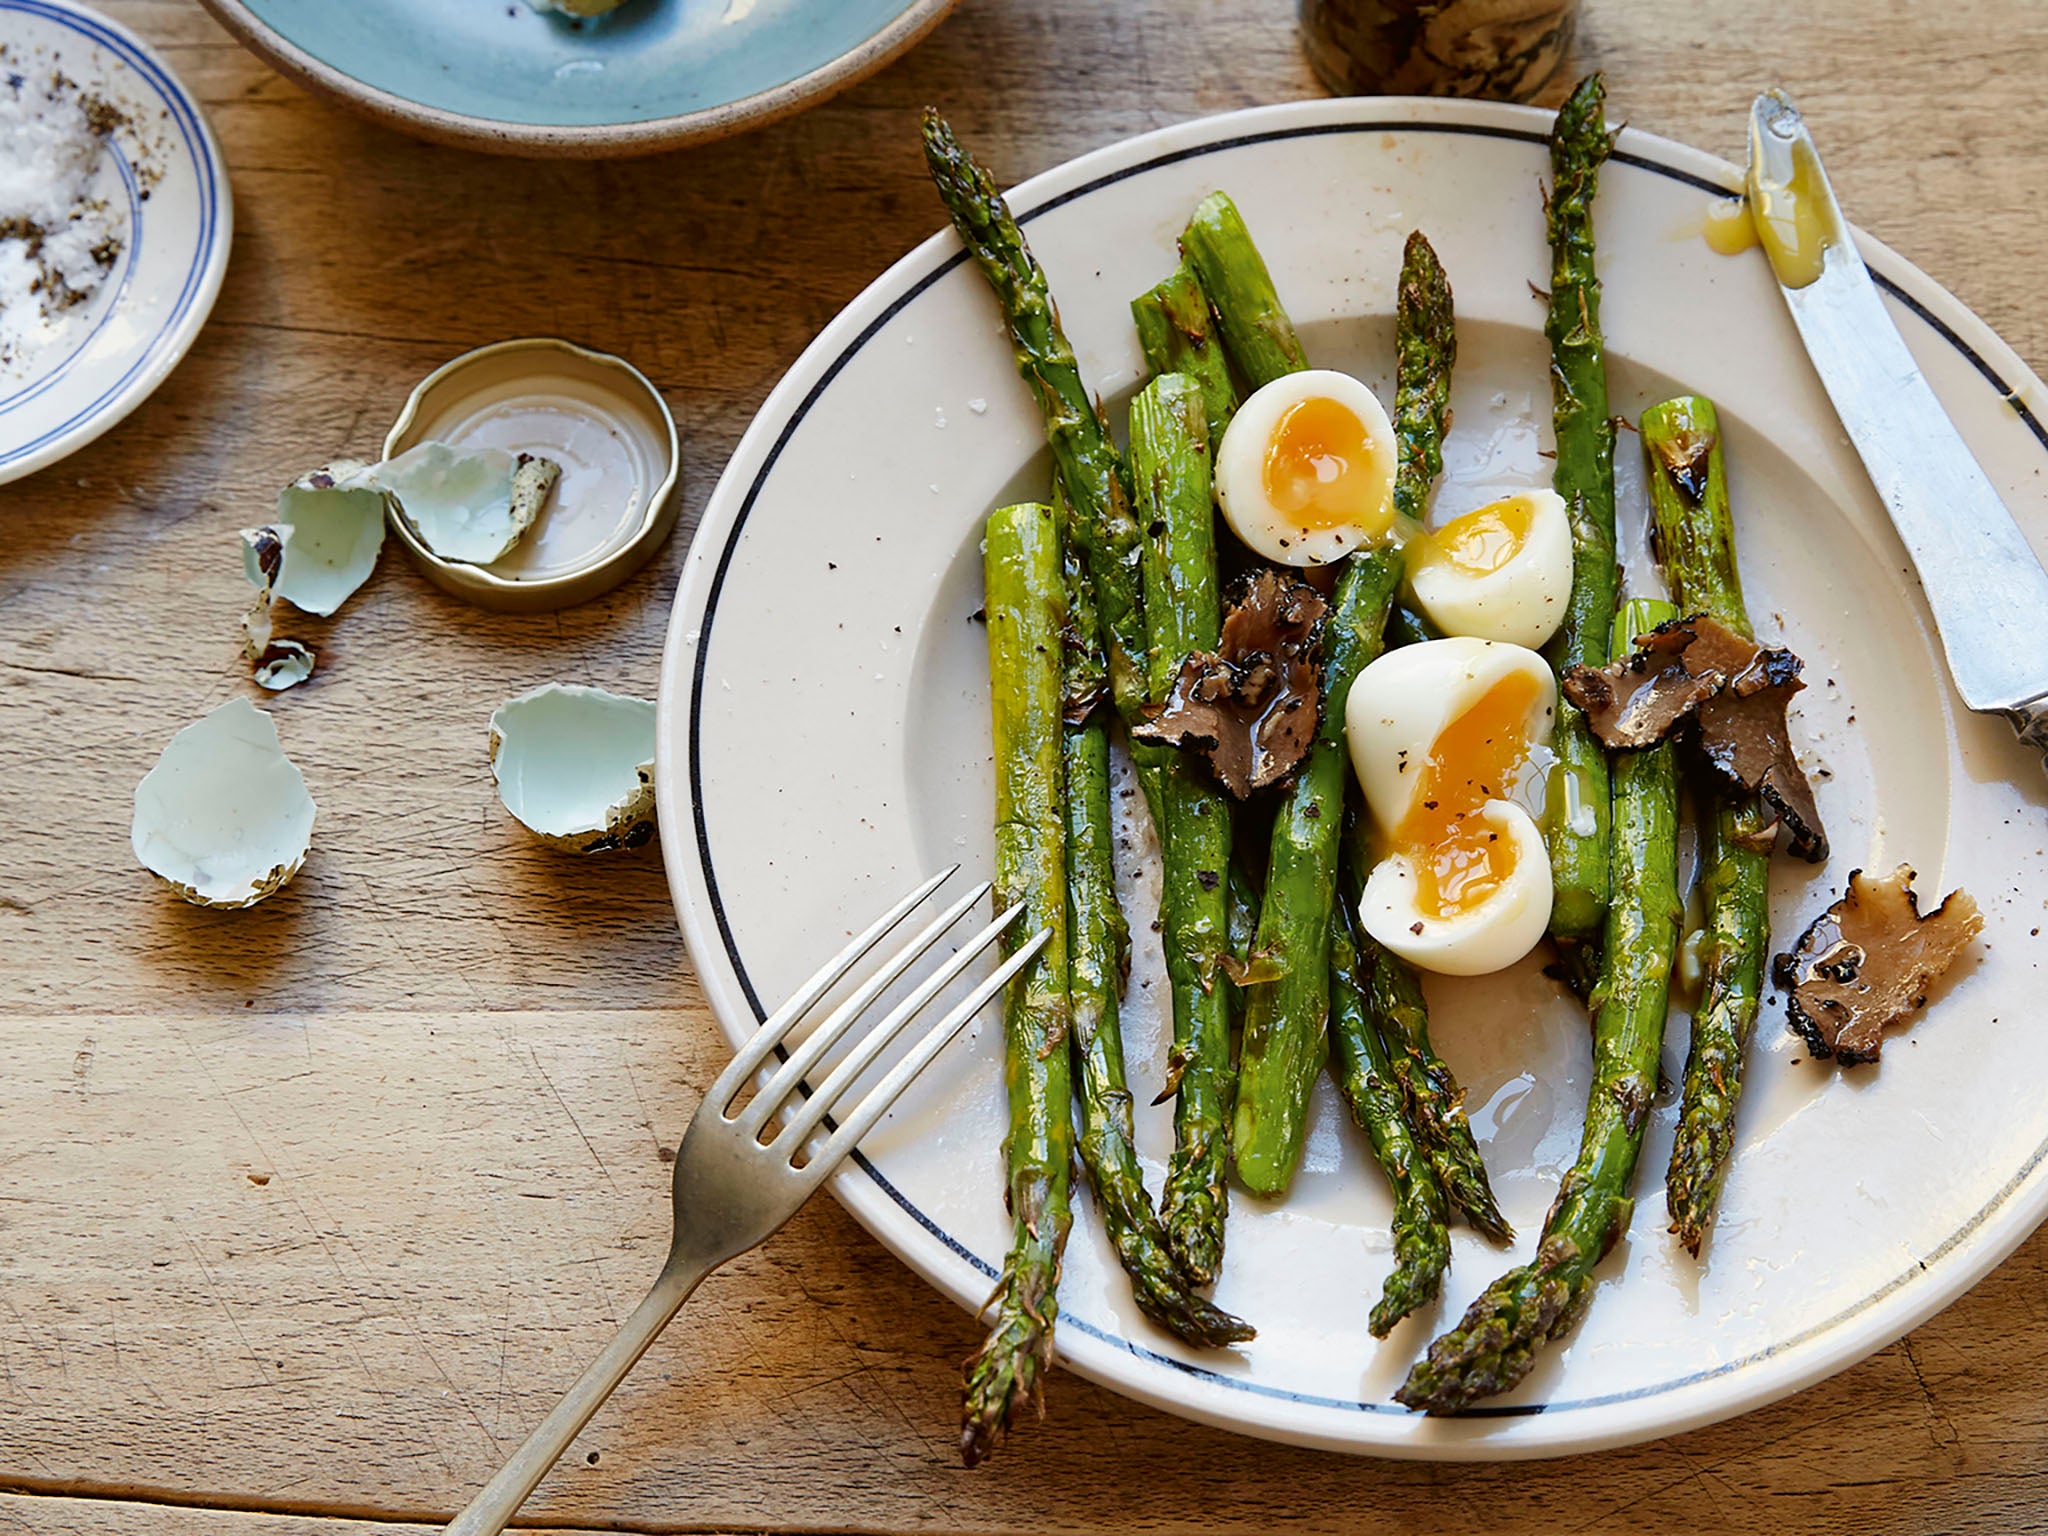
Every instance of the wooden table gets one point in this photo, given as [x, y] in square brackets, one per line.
[307, 1213]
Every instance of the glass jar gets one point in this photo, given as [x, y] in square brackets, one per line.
[1503, 49]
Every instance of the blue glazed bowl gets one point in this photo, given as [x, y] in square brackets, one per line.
[497, 75]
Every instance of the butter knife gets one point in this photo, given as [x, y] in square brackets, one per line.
[1988, 593]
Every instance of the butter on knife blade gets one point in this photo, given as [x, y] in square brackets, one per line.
[1797, 222]
[1985, 588]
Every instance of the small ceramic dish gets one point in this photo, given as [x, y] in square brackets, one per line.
[595, 415]
[653, 75]
[163, 178]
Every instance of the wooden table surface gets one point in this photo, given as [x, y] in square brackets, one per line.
[307, 1213]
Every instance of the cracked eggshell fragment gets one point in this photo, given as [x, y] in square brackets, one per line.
[468, 505]
[224, 817]
[277, 664]
[576, 766]
[330, 527]
[283, 664]
[262, 559]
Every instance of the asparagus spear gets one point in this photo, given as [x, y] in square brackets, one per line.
[1435, 1101]
[1256, 330]
[1088, 464]
[1097, 946]
[1422, 1242]
[1178, 336]
[1407, 627]
[1027, 611]
[1495, 1343]
[1576, 827]
[1096, 480]
[1689, 503]
[1170, 473]
[1286, 1039]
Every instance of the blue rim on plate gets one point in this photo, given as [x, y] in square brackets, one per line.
[502, 77]
[146, 360]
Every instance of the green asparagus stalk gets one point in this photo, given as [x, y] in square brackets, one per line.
[1422, 1241]
[1179, 336]
[1689, 505]
[1177, 332]
[1027, 612]
[1436, 1102]
[1286, 1038]
[1170, 476]
[1407, 627]
[1425, 351]
[1576, 824]
[1256, 331]
[1097, 942]
[1244, 915]
[1087, 461]
[1495, 1343]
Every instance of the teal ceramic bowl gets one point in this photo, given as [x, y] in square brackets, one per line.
[498, 75]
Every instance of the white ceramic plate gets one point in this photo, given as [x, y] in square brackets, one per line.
[168, 181]
[824, 739]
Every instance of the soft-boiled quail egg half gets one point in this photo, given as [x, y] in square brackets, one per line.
[1503, 572]
[1447, 739]
[1305, 471]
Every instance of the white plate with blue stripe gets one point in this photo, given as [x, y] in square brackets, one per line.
[162, 177]
[824, 741]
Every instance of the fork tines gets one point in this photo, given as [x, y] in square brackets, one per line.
[780, 1097]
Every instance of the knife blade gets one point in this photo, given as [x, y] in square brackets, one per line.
[1988, 593]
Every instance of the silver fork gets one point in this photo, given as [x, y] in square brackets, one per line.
[732, 1189]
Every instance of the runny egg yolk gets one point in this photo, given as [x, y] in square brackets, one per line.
[1459, 861]
[1481, 542]
[1320, 471]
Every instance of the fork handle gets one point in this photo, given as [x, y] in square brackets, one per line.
[491, 1509]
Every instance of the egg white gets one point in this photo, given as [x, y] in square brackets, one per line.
[1397, 708]
[1241, 471]
[1488, 937]
[1521, 603]
[1402, 701]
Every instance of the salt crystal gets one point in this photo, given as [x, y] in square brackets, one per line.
[60, 237]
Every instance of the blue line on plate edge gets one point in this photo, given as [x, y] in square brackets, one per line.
[184, 114]
[1638, 161]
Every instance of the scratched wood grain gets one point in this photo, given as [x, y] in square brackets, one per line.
[27, 1513]
[307, 1213]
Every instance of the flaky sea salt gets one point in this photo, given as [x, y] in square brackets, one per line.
[59, 238]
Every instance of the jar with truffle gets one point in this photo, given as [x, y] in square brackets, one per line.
[1503, 49]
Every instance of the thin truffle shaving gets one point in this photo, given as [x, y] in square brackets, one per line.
[1866, 963]
[1743, 733]
[1640, 700]
[1250, 706]
[1738, 691]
